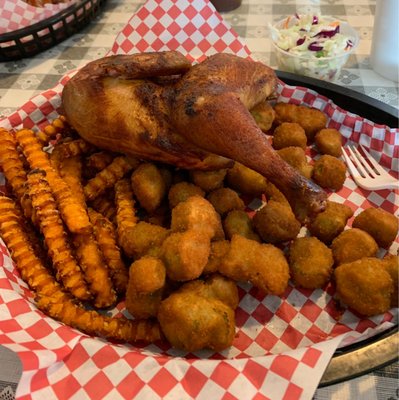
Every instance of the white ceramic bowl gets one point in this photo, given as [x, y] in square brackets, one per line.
[326, 68]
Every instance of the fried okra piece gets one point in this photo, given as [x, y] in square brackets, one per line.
[311, 262]
[276, 223]
[245, 180]
[195, 318]
[208, 180]
[264, 265]
[328, 224]
[364, 285]
[296, 157]
[185, 254]
[148, 186]
[391, 264]
[380, 224]
[263, 114]
[329, 172]
[311, 119]
[146, 238]
[225, 200]
[329, 141]
[219, 249]
[197, 213]
[353, 244]
[145, 287]
[238, 222]
[181, 191]
[289, 134]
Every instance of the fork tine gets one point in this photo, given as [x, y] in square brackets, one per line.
[359, 167]
[369, 170]
[352, 169]
[372, 161]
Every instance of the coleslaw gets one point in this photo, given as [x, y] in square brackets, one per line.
[313, 45]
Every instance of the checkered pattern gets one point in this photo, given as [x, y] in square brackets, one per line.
[16, 14]
[283, 344]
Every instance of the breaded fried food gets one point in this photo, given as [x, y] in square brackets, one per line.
[148, 186]
[145, 289]
[364, 285]
[391, 264]
[185, 254]
[208, 180]
[52, 299]
[67, 270]
[105, 234]
[329, 141]
[225, 200]
[380, 224]
[296, 157]
[311, 119]
[146, 238]
[328, 224]
[196, 319]
[289, 134]
[263, 114]
[238, 222]
[276, 223]
[73, 214]
[353, 244]
[245, 180]
[264, 265]
[329, 172]
[197, 213]
[181, 191]
[311, 262]
[219, 249]
[106, 178]
[215, 286]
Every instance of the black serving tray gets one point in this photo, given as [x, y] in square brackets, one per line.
[382, 349]
[29, 41]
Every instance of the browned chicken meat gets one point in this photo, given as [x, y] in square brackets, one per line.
[157, 106]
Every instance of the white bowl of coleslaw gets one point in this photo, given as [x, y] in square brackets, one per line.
[312, 45]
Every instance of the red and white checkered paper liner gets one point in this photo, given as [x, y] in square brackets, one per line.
[16, 14]
[283, 344]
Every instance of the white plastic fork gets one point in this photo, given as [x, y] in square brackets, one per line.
[366, 172]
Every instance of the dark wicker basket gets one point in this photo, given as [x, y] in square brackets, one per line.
[29, 41]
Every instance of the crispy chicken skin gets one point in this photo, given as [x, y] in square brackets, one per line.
[199, 121]
[113, 105]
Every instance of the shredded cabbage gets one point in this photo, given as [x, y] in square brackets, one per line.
[311, 35]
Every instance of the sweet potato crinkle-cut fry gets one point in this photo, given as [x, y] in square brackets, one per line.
[106, 178]
[70, 170]
[50, 297]
[11, 163]
[95, 269]
[126, 218]
[58, 125]
[67, 270]
[14, 170]
[74, 148]
[105, 206]
[99, 160]
[105, 234]
[74, 216]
